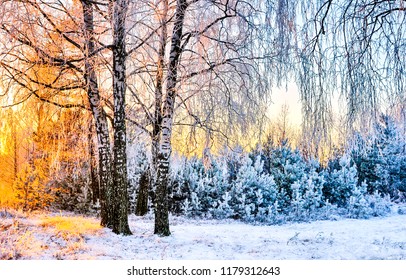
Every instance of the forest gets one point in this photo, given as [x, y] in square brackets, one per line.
[113, 108]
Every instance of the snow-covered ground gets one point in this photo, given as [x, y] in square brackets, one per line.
[67, 236]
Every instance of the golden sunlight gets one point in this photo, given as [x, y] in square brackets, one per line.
[72, 225]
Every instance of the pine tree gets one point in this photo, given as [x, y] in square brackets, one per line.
[391, 167]
[307, 197]
[358, 206]
[341, 182]
[381, 158]
[366, 157]
[253, 191]
[287, 166]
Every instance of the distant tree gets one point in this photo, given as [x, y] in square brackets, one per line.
[138, 177]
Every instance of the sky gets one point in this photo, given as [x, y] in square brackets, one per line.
[286, 95]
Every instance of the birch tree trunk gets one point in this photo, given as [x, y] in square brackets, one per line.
[100, 117]
[165, 148]
[159, 85]
[120, 218]
[158, 98]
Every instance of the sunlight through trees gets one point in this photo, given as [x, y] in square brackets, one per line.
[83, 83]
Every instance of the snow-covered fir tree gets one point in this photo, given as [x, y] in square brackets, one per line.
[380, 158]
[307, 197]
[287, 166]
[391, 167]
[341, 182]
[253, 191]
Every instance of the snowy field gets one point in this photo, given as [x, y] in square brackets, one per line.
[68, 236]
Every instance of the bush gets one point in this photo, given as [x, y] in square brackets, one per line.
[274, 186]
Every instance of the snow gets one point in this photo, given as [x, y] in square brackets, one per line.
[64, 235]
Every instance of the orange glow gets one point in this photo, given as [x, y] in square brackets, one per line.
[7, 197]
[77, 226]
[2, 146]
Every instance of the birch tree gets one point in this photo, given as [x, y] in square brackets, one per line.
[161, 211]
[120, 193]
[202, 59]
[100, 117]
